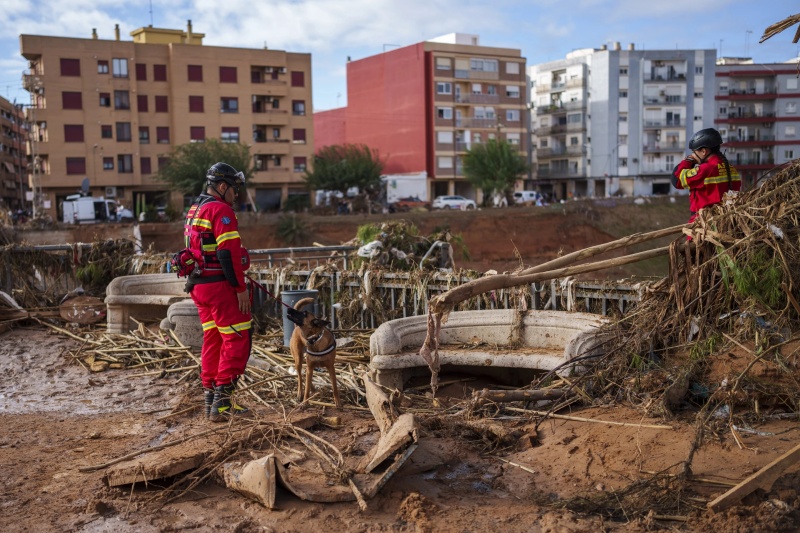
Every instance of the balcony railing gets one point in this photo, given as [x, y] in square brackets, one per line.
[476, 122]
[766, 91]
[663, 147]
[665, 100]
[477, 99]
[562, 107]
[747, 114]
[542, 153]
[663, 123]
[678, 76]
[750, 139]
[750, 161]
[657, 168]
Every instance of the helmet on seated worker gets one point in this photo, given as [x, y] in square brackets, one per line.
[224, 172]
[706, 138]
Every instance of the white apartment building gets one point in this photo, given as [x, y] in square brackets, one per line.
[610, 122]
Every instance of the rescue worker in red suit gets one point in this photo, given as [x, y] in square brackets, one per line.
[219, 291]
[705, 172]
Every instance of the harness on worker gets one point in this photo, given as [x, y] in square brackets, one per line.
[187, 263]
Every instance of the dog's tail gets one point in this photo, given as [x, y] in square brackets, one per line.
[302, 303]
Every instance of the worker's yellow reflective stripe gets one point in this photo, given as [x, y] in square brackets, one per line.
[235, 328]
[203, 223]
[209, 247]
[227, 236]
[723, 178]
[685, 175]
[209, 325]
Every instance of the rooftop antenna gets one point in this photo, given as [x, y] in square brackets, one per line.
[151, 13]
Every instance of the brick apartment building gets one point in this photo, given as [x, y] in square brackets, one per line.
[111, 111]
[13, 161]
[757, 114]
[423, 106]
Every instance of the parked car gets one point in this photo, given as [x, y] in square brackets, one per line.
[453, 202]
[411, 202]
[527, 197]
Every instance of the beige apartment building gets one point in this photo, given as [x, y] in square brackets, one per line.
[110, 112]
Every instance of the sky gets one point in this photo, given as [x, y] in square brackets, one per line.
[333, 30]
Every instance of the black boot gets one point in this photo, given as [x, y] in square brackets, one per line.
[223, 407]
[208, 398]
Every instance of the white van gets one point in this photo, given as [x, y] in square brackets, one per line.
[521, 197]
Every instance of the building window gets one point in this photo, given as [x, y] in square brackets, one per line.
[276, 133]
[298, 107]
[144, 135]
[791, 107]
[698, 94]
[124, 163]
[512, 91]
[723, 110]
[791, 83]
[73, 133]
[105, 100]
[162, 135]
[698, 118]
[444, 112]
[623, 94]
[512, 138]
[477, 88]
[622, 139]
[229, 104]
[698, 70]
[195, 72]
[197, 134]
[573, 141]
[76, 165]
[298, 79]
[106, 131]
[123, 132]
[512, 68]
[141, 72]
[790, 131]
[444, 63]
[623, 161]
[70, 67]
[492, 90]
[162, 104]
[102, 66]
[227, 75]
[122, 100]
[483, 65]
[144, 163]
[119, 67]
[623, 71]
[159, 73]
[71, 100]
[788, 154]
[445, 162]
[230, 135]
[299, 136]
[141, 103]
[196, 104]
[108, 163]
[444, 87]
[623, 117]
[444, 137]
[512, 115]
[300, 164]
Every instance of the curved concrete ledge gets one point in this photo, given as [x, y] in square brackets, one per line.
[143, 297]
[548, 339]
[184, 320]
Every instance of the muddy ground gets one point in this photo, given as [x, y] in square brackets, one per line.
[56, 417]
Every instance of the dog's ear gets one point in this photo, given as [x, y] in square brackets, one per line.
[320, 323]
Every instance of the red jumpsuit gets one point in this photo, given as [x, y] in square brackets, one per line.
[707, 182]
[211, 231]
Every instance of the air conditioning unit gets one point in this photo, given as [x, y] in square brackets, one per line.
[268, 70]
[111, 192]
[283, 70]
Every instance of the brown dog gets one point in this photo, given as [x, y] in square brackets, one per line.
[313, 342]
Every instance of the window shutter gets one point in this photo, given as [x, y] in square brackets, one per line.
[159, 73]
[73, 133]
[71, 100]
[195, 72]
[196, 104]
[141, 72]
[70, 67]
[227, 74]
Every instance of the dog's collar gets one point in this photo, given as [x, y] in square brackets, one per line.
[314, 339]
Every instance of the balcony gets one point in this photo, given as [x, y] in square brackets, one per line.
[747, 116]
[559, 108]
[663, 147]
[475, 75]
[556, 129]
[675, 76]
[559, 172]
[751, 163]
[560, 151]
[657, 168]
[665, 100]
[767, 93]
[476, 122]
[654, 124]
[477, 99]
[750, 140]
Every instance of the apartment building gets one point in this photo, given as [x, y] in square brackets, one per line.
[608, 121]
[425, 105]
[13, 161]
[110, 111]
[757, 114]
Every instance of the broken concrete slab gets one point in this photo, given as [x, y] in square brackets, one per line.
[256, 479]
[378, 401]
[162, 464]
[402, 432]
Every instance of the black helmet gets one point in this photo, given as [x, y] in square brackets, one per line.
[707, 138]
[224, 172]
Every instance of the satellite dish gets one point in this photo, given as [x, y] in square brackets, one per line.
[85, 187]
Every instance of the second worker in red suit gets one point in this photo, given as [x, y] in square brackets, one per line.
[211, 232]
[705, 172]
